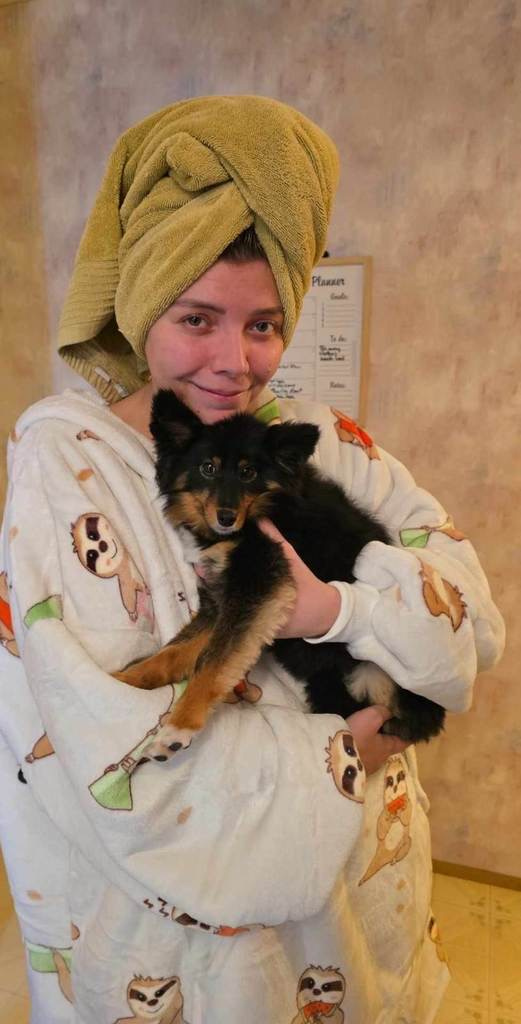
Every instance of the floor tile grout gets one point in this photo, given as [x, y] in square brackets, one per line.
[498, 913]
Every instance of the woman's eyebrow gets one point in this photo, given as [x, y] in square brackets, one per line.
[269, 311]
[196, 304]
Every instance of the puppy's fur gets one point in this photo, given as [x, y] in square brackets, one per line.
[217, 481]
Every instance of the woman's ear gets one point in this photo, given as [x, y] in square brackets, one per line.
[292, 444]
[172, 423]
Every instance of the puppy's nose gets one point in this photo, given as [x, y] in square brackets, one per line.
[226, 516]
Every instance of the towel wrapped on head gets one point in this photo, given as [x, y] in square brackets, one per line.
[180, 186]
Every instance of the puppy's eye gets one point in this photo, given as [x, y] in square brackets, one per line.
[247, 474]
[208, 469]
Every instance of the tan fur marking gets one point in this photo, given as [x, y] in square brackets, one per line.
[187, 509]
[260, 504]
[371, 682]
[215, 680]
[218, 555]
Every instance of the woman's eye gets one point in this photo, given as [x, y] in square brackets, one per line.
[194, 320]
[207, 469]
[265, 327]
[247, 474]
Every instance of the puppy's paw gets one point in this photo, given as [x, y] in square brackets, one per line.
[167, 742]
[122, 676]
[133, 677]
[141, 678]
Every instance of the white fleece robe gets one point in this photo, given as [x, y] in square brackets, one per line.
[130, 877]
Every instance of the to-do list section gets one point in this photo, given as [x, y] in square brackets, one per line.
[324, 361]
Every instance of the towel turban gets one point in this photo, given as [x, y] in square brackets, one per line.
[179, 187]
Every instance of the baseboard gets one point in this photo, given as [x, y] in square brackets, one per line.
[442, 867]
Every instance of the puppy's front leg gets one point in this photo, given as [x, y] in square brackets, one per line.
[256, 599]
[177, 660]
[172, 663]
[235, 646]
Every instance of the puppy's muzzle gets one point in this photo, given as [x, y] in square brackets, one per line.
[226, 517]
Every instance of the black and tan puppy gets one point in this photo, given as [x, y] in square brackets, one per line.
[217, 481]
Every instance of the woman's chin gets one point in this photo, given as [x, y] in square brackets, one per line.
[210, 408]
[210, 416]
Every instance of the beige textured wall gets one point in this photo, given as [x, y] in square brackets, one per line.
[24, 349]
[423, 100]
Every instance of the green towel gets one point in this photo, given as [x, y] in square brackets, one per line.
[179, 187]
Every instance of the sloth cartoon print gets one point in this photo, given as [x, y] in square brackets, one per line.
[393, 825]
[344, 763]
[321, 990]
[102, 553]
[156, 1000]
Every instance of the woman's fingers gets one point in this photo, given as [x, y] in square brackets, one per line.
[316, 608]
[373, 746]
[270, 529]
[317, 604]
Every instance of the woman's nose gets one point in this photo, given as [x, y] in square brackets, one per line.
[231, 353]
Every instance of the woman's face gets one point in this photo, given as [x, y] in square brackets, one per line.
[220, 342]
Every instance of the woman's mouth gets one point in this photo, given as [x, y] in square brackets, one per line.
[220, 394]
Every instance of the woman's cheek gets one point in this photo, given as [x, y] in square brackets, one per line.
[175, 360]
[273, 361]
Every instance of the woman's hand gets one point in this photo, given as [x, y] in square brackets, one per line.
[373, 746]
[314, 613]
[317, 605]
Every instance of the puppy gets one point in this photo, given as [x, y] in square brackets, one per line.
[217, 481]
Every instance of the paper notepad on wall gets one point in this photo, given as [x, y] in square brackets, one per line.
[328, 357]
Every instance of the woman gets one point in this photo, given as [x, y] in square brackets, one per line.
[240, 880]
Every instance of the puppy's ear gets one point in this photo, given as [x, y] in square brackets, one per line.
[172, 423]
[292, 444]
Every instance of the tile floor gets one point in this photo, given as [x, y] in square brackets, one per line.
[481, 930]
[14, 1001]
